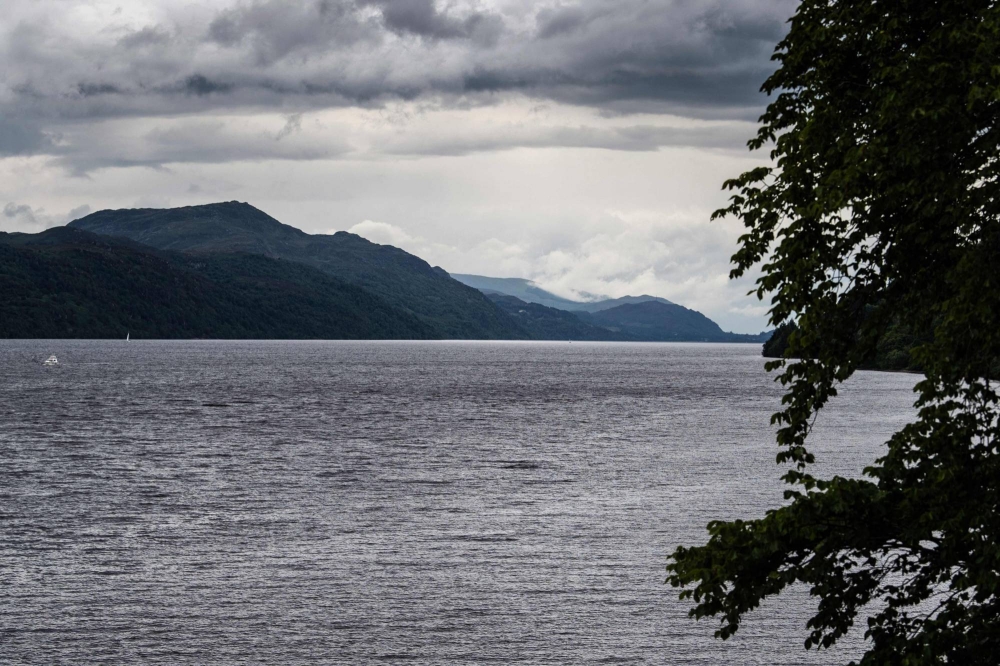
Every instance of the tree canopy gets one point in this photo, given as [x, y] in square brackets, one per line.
[880, 208]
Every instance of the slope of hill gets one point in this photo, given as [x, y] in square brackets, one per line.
[451, 308]
[545, 323]
[607, 304]
[644, 318]
[528, 291]
[68, 283]
[524, 290]
[654, 321]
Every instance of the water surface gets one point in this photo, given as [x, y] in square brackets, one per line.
[360, 502]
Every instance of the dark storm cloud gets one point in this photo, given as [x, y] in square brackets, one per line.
[586, 52]
[93, 89]
[698, 58]
[23, 137]
[272, 30]
[423, 18]
[147, 37]
[553, 22]
[196, 84]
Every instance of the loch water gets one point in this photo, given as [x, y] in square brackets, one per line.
[392, 502]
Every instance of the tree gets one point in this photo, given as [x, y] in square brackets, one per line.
[882, 206]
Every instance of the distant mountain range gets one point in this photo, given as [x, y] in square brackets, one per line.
[528, 291]
[640, 318]
[228, 270]
[545, 323]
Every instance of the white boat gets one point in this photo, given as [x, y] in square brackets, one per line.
[51, 360]
[127, 336]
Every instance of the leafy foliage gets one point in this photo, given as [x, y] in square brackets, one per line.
[881, 210]
[65, 283]
[405, 281]
[893, 351]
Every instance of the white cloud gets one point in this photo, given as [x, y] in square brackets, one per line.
[435, 254]
[681, 256]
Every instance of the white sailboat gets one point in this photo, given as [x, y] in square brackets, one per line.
[51, 360]
[127, 335]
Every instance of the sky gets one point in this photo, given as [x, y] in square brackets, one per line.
[580, 144]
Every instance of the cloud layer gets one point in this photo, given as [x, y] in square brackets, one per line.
[72, 64]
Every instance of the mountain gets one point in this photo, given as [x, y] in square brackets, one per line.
[645, 321]
[645, 318]
[607, 304]
[523, 290]
[528, 291]
[655, 321]
[69, 283]
[450, 308]
[545, 323]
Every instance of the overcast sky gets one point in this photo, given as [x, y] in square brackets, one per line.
[581, 144]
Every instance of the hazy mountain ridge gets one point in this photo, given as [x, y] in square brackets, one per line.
[642, 318]
[528, 291]
[69, 283]
[653, 321]
[405, 281]
[546, 323]
[523, 290]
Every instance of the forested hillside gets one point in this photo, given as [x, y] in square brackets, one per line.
[67, 283]
[450, 308]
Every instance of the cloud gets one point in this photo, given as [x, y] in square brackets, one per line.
[23, 137]
[399, 130]
[148, 37]
[267, 32]
[292, 124]
[388, 234]
[493, 255]
[424, 19]
[470, 138]
[680, 256]
[20, 213]
[72, 67]
[705, 58]
[158, 142]
[25, 219]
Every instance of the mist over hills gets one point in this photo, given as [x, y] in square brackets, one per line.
[640, 318]
[523, 290]
[229, 270]
[528, 291]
